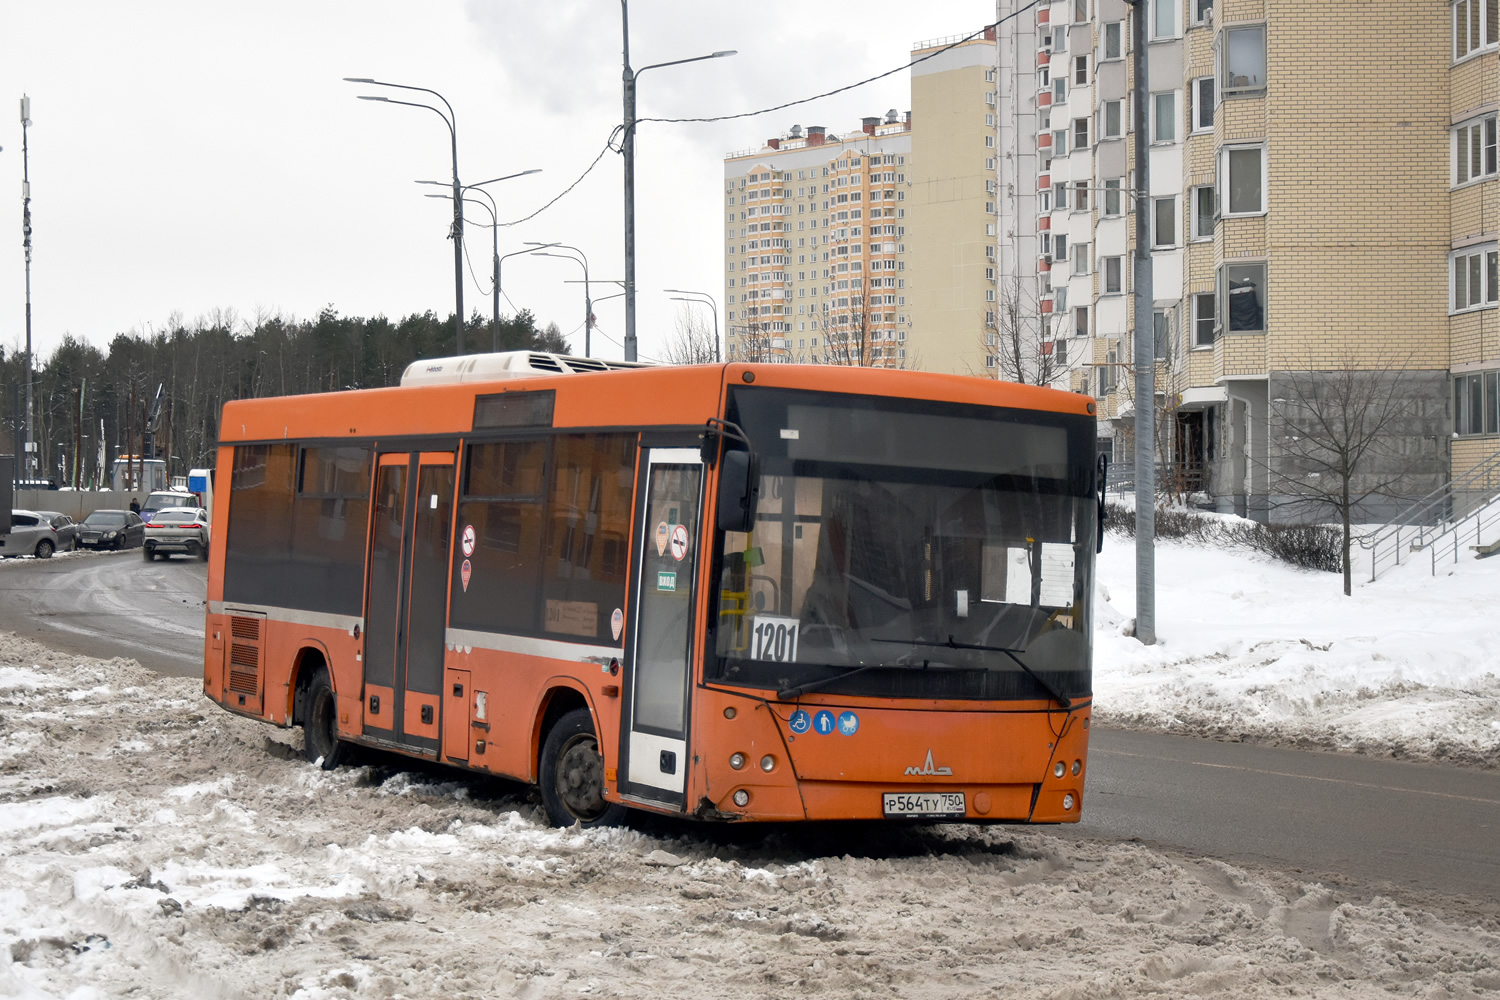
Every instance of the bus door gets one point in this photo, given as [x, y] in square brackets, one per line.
[407, 603]
[659, 653]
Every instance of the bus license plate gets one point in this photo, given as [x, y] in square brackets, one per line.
[927, 805]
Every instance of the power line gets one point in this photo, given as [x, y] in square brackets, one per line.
[609, 144]
[852, 86]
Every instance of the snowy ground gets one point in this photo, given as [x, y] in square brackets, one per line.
[154, 846]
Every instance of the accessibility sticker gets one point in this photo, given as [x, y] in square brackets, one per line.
[823, 722]
[800, 722]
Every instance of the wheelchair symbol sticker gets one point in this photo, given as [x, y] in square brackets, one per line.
[823, 722]
[800, 722]
[848, 723]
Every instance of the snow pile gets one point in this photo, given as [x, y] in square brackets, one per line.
[1252, 648]
[154, 846]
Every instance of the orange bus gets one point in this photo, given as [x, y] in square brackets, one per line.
[730, 592]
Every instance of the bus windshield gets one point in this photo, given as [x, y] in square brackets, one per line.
[907, 550]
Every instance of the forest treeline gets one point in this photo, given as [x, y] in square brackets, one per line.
[200, 366]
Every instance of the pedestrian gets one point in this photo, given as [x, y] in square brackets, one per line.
[135, 506]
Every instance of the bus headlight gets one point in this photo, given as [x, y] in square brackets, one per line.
[1059, 769]
[1068, 802]
[768, 763]
[741, 798]
[1077, 766]
[737, 761]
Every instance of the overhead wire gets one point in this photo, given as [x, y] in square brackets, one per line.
[609, 144]
[839, 90]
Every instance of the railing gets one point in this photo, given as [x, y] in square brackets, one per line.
[1178, 477]
[1444, 510]
[1474, 526]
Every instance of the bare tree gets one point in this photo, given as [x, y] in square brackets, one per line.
[693, 343]
[754, 343]
[1342, 441]
[1019, 340]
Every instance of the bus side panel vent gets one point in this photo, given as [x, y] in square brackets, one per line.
[245, 660]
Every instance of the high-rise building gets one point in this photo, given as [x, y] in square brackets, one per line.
[1309, 228]
[813, 246]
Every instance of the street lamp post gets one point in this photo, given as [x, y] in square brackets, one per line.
[588, 303]
[627, 149]
[457, 234]
[29, 462]
[705, 299]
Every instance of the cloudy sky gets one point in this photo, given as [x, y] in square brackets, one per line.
[192, 157]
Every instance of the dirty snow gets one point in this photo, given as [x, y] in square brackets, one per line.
[152, 845]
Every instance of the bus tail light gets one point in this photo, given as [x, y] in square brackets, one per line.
[768, 763]
[737, 761]
[1059, 769]
[1077, 766]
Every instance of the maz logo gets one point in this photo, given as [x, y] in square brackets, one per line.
[928, 768]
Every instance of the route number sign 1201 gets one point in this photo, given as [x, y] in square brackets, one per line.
[774, 638]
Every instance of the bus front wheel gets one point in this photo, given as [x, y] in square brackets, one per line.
[320, 734]
[572, 774]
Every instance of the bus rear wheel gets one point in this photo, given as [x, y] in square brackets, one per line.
[320, 735]
[572, 774]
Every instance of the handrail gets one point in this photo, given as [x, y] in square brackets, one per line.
[1480, 519]
[1431, 517]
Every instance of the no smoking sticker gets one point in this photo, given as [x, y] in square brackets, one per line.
[679, 542]
[468, 540]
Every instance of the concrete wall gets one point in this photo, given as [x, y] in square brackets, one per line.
[77, 504]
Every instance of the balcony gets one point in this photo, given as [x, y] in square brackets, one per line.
[1043, 182]
[1044, 306]
[1044, 263]
[1042, 58]
[1044, 99]
[1043, 16]
[1043, 223]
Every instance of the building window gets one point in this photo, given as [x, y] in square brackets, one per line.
[1474, 150]
[1060, 142]
[1059, 90]
[1205, 211]
[1113, 200]
[1080, 11]
[1080, 71]
[1114, 40]
[1080, 133]
[1060, 195]
[1476, 403]
[1245, 59]
[1164, 117]
[1080, 326]
[1161, 340]
[1476, 23]
[1201, 94]
[1059, 247]
[1111, 119]
[1114, 275]
[1204, 320]
[1242, 294]
[1243, 169]
[1475, 278]
[1163, 18]
[1201, 10]
[1081, 196]
[1164, 218]
[1080, 258]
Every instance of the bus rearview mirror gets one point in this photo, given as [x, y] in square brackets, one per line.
[739, 491]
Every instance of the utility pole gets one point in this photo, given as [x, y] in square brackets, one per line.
[30, 460]
[627, 147]
[1145, 344]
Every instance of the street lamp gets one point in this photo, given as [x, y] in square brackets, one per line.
[588, 303]
[627, 147]
[457, 234]
[30, 460]
[705, 299]
[494, 211]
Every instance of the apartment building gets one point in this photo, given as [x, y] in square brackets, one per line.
[1307, 225]
[814, 246]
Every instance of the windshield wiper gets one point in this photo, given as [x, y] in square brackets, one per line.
[793, 692]
[1061, 699]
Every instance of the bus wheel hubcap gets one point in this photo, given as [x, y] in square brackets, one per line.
[580, 777]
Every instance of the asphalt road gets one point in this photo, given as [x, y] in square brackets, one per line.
[1377, 825]
[107, 604]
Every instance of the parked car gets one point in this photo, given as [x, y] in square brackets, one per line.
[31, 534]
[66, 528]
[177, 529]
[162, 499]
[111, 529]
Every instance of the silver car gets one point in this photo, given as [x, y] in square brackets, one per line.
[66, 528]
[31, 534]
[177, 529]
